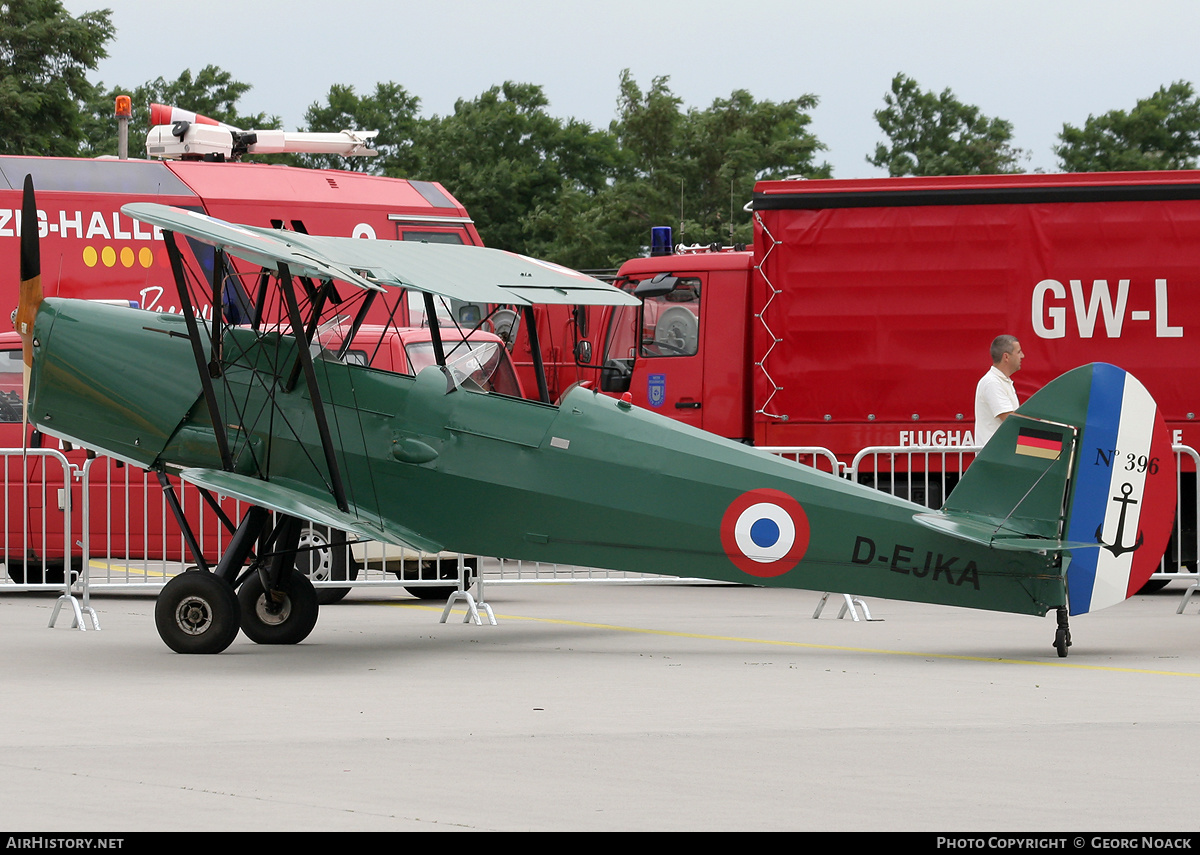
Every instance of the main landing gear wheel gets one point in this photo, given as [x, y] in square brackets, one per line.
[287, 621]
[197, 612]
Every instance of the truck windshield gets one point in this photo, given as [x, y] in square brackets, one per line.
[671, 323]
[11, 384]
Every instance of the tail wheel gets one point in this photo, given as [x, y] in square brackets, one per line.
[1062, 640]
[1062, 634]
[197, 612]
[285, 619]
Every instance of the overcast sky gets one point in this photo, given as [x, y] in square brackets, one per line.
[1036, 63]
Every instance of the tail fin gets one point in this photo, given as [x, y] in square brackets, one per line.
[1084, 466]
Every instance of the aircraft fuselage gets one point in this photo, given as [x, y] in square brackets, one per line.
[590, 481]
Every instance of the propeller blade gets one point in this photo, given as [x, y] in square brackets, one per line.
[30, 297]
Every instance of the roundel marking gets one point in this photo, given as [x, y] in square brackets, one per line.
[764, 532]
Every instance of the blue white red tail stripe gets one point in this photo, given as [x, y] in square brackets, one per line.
[1124, 493]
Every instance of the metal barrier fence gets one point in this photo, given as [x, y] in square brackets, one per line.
[806, 455]
[38, 517]
[110, 525]
[71, 517]
[926, 475]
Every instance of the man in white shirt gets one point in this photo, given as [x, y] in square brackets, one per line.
[995, 397]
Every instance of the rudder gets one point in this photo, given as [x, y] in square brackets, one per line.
[1123, 495]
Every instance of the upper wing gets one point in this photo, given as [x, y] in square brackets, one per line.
[471, 273]
[258, 246]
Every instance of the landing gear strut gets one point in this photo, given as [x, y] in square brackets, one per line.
[198, 611]
[279, 604]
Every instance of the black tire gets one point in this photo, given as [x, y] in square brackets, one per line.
[197, 612]
[1153, 585]
[1062, 640]
[325, 563]
[290, 623]
[431, 592]
[444, 570]
[37, 572]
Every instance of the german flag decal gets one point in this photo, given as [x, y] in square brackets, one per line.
[1039, 443]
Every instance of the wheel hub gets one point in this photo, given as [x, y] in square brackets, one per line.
[271, 613]
[194, 616]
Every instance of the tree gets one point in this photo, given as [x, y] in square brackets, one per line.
[211, 92]
[505, 157]
[1160, 132]
[694, 169]
[644, 188]
[391, 110]
[933, 134]
[732, 144]
[45, 55]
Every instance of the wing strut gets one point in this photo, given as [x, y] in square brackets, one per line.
[539, 369]
[202, 368]
[218, 313]
[358, 322]
[260, 298]
[185, 528]
[435, 332]
[310, 375]
[317, 298]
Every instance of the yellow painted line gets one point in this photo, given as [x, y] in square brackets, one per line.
[110, 567]
[810, 646]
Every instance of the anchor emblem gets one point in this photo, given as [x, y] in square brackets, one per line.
[1115, 547]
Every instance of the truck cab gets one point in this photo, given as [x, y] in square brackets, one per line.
[683, 352]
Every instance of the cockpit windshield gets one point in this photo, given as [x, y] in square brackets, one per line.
[482, 363]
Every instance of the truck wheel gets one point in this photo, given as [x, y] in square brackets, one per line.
[1153, 585]
[197, 612]
[449, 570]
[322, 562]
[37, 572]
[287, 622]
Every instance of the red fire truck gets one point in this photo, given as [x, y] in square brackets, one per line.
[91, 250]
[863, 312]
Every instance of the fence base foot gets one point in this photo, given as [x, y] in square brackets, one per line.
[848, 605]
[472, 608]
[1187, 595]
[77, 611]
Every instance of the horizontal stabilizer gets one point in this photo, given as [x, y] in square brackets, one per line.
[296, 503]
[986, 533]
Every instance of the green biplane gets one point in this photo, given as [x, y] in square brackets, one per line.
[1069, 507]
